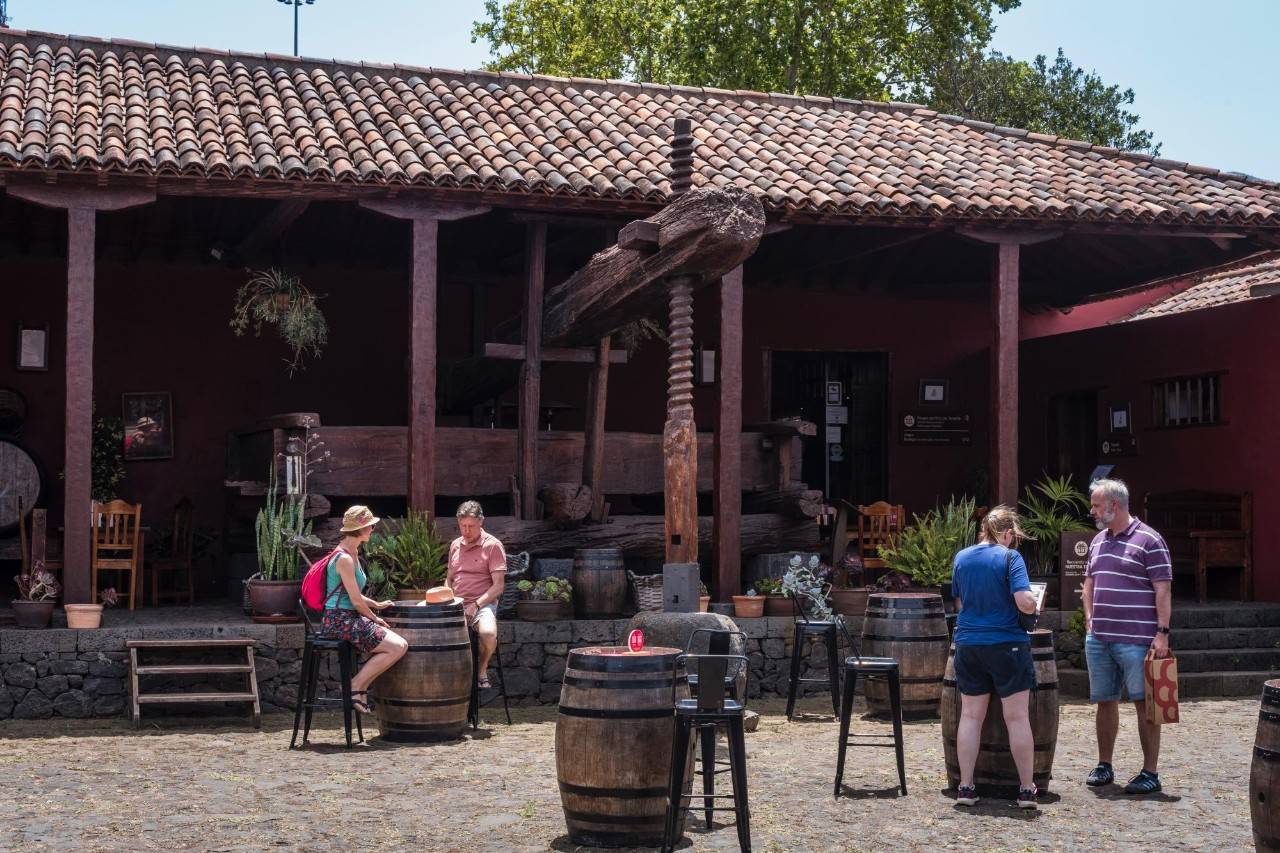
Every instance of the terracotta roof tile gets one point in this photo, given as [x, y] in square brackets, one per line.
[1221, 286]
[79, 104]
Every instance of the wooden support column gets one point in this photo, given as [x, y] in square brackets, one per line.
[535, 266]
[727, 491]
[82, 206]
[1004, 376]
[425, 218]
[679, 435]
[593, 450]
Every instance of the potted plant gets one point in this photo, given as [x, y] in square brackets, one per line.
[776, 602]
[749, 606]
[1051, 508]
[89, 616]
[37, 594]
[412, 555]
[543, 600]
[926, 549]
[276, 298]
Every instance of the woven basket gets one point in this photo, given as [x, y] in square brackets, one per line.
[517, 570]
[647, 590]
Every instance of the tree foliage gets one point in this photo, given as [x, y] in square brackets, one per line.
[932, 51]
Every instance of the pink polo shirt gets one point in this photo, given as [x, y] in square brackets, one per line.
[471, 567]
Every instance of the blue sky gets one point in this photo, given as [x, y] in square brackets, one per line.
[1201, 70]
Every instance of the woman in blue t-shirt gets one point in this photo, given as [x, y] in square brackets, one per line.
[993, 652]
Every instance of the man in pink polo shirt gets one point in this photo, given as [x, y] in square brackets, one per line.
[477, 566]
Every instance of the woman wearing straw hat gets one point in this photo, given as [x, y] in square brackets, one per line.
[348, 613]
[993, 651]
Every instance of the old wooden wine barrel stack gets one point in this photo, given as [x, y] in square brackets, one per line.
[995, 774]
[599, 582]
[424, 695]
[613, 745]
[1264, 775]
[911, 628]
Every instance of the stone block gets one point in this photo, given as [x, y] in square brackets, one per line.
[73, 703]
[34, 706]
[523, 681]
[20, 675]
[108, 706]
[530, 654]
[106, 639]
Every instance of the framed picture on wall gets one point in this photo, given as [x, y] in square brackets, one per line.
[33, 347]
[148, 425]
[933, 392]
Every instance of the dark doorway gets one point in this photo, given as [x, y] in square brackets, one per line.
[846, 460]
[1073, 436]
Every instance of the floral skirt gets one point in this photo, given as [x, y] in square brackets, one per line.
[361, 631]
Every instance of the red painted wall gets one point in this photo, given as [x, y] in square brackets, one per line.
[1242, 454]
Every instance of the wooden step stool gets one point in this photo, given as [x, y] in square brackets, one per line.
[136, 669]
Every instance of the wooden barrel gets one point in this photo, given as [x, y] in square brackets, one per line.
[1264, 774]
[613, 745]
[599, 582]
[424, 696]
[21, 477]
[995, 774]
[911, 628]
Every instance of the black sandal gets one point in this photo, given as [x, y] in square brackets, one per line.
[361, 705]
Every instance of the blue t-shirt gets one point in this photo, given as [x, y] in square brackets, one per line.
[988, 614]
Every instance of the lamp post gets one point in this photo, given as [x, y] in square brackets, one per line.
[295, 4]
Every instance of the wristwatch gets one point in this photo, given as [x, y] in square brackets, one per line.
[1162, 629]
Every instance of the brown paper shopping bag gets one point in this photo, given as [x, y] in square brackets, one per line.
[1161, 675]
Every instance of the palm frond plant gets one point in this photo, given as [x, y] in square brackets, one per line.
[1050, 508]
[273, 297]
[926, 549]
[410, 552]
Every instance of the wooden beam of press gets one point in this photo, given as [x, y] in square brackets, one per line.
[570, 355]
[703, 234]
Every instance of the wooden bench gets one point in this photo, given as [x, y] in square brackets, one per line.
[1205, 530]
[137, 669]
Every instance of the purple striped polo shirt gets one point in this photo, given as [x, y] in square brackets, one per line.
[1123, 568]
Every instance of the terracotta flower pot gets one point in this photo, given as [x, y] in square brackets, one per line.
[32, 614]
[83, 616]
[777, 604]
[748, 606]
[704, 601]
[849, 602]
[274, 601]
[538, 611]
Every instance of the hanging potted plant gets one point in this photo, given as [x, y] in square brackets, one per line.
[410, 555]
[37, 594]
[274, 297]
[89, 616]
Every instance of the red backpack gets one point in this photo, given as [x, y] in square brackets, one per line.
[313, 595]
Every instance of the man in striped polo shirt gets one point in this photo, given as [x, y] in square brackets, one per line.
[1127, 604]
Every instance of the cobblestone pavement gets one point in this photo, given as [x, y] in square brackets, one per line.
[193, 784]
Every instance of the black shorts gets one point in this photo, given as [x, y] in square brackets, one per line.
[1004, 668]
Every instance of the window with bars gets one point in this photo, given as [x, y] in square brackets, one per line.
[1187, 401]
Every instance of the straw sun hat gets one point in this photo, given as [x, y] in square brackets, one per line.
[357, 518]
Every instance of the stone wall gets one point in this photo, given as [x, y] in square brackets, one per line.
[66, 673]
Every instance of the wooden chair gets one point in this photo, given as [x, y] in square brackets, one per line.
[116, 544]
[878, 524]
[178, 561]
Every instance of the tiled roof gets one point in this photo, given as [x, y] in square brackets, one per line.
[1219, 287]
[79, 104]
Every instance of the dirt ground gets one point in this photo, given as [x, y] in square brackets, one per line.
[217, 785]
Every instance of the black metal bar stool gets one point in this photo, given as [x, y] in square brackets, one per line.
[309, 679]
[886, 668]
[474, 706]
[825, 631]
[709, 710]
[718, 643]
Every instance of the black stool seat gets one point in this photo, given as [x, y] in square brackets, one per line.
[309, 678]
[826, 632]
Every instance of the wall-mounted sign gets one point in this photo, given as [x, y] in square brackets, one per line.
[837, 414]
[1119, 444]
[922, 428]
[1073, 559]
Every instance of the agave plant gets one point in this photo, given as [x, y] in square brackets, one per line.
[1050, 508]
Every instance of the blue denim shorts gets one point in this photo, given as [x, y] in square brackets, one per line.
[1113, 665]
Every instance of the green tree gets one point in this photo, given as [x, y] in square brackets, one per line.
[932, 51]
